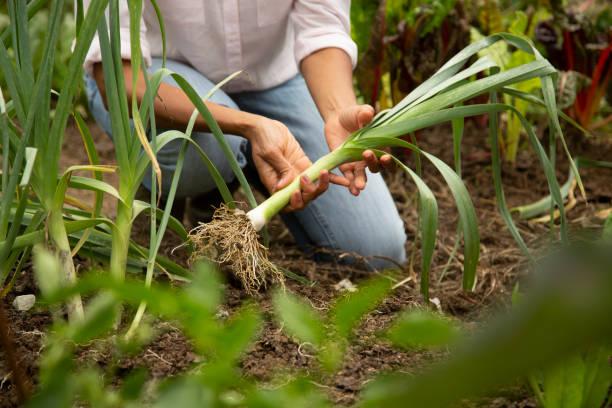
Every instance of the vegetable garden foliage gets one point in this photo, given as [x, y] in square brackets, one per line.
[578, 41]
[37, 34]
[546, 332]
[36, 209]
[402, 43]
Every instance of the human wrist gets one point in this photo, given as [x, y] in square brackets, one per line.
[249, 125]
[233, 122]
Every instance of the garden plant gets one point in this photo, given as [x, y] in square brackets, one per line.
[437, 100]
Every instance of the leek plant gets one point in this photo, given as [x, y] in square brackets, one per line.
[233, 234]
[35, 206]
[137, 141]
[32, 140]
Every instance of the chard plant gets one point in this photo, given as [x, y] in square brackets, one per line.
[232, 235]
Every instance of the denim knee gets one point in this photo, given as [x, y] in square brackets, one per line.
[383, 249]
[388, 246]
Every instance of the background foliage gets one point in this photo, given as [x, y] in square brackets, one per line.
[403, 43]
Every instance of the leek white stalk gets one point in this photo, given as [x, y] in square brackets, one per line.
[264, 212]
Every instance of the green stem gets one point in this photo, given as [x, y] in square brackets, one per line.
[121, 240]
[59, 238]
[275, 203]
[535, 387]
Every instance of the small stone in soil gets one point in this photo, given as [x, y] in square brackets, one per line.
[24, 303]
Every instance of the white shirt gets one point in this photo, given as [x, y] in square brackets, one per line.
[267, 39]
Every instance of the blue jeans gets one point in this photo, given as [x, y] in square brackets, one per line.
[368, 225]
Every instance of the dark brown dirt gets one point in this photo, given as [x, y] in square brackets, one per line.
[275, 354]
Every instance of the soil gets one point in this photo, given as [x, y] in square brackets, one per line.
[275, 354]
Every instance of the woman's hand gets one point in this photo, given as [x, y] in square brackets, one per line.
[279, 159]
[337, 128]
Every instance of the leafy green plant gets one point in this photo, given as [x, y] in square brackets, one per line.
[220, 342]
[37, 34]
[580, 381]
[35, 203]
[422, 328]
[330, 334]
[577, 40]
[137, 142]
[542, 334]
[403, 43]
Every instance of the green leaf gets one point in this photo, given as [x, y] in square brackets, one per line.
[27, 171]
[496, 168]
[174, 224]
[133, 384]
[92, 156]
[64, 104]
[86, 183]
[205, 291]
[467, 219]
[171, 135]
[348, 310]
[428, 225]
[598, 377]
[467, 214]
[607, 230]
[563, 383]
[47, 271]
[298, 318]
[331, 354]
[216, 131]
[422, 328]
[100, 316]
[299, 393]
[238, 333]
[185, 392]
[533, 99]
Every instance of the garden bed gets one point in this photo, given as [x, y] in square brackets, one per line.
[274, 355]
